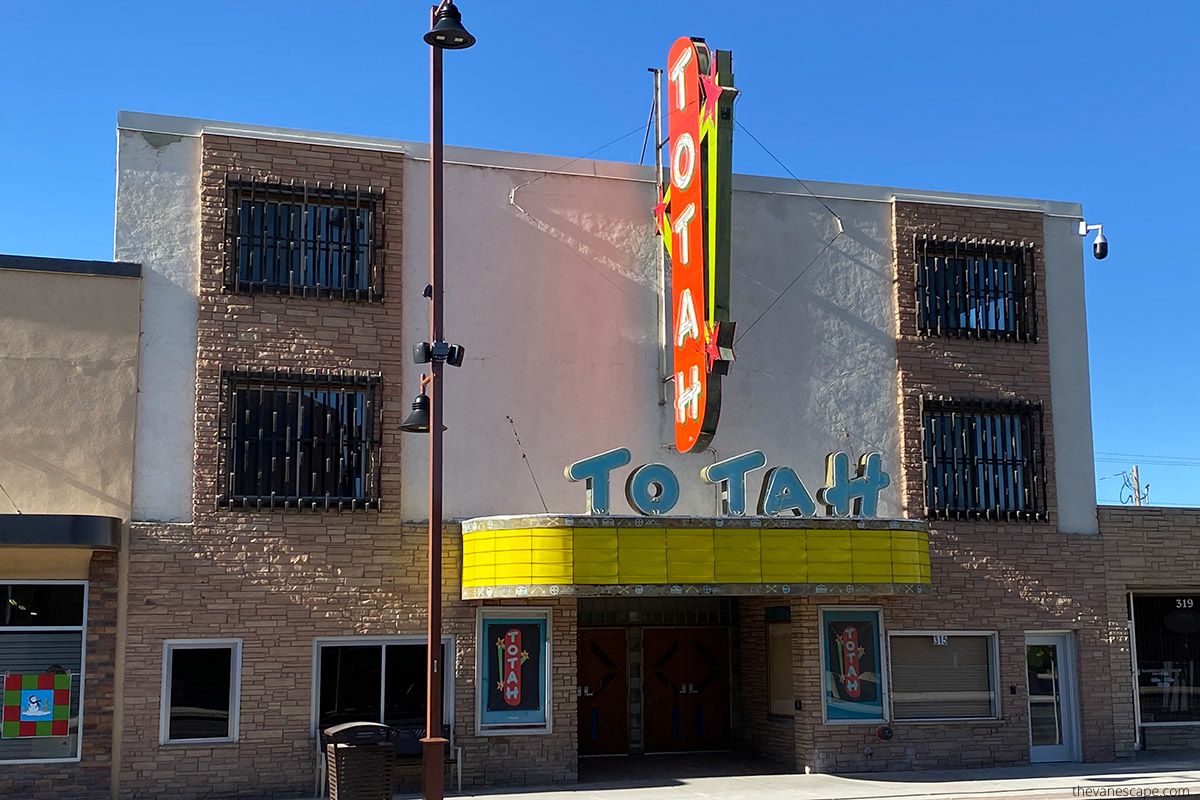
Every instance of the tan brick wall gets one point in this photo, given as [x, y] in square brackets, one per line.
[89, 778]
[1007, 579]
[1145, 549]
[965, 367]
[1010, 578]
[279, 579]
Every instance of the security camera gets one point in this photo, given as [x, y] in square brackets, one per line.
[1100, 246]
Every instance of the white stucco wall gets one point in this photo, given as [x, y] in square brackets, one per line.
[556, 307]
[1070, 394]
[158, 226]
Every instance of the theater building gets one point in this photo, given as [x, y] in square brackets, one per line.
[886, 556]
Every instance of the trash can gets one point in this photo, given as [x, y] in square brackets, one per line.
[360, 761]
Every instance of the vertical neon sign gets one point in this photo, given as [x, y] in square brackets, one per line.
[694, 218]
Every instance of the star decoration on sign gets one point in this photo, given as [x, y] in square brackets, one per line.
[712, 90]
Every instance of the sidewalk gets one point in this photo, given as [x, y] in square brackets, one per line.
[1177, 776]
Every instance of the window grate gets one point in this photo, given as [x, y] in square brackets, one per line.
[302, 239]
[300, 441]
[983, 289]
[984, 459]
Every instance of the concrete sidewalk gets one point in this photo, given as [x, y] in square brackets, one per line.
[1161, 777]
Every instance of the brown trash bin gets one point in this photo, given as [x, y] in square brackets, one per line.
[360, 761]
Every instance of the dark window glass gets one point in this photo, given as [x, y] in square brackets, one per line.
[1168, 657]
[303, 240]
[404, 693]
[983, 459]
[41, 605]
[975, 289]
[350, 684]
[300, 441]
[200, 693]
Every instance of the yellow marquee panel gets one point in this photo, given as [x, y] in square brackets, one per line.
[548, 554]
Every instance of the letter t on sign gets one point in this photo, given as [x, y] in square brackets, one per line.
[731, 473]
[595, 471]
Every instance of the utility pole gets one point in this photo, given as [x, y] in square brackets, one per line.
[1137, 487]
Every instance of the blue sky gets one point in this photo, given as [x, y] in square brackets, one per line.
[1091, 102]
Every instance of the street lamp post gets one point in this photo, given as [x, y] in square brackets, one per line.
[447, 33]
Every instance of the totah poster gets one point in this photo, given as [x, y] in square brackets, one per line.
[514, 672]
[852, 665]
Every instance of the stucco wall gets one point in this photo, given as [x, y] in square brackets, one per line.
[556, 303]
[1070, 385]
[68, 376]
[158, 225]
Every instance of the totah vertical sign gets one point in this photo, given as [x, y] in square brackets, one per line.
[694, 218]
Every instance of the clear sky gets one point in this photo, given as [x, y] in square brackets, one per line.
[1093, 102]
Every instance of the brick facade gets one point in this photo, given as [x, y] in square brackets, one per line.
[89, 778]
[1145, 549]
[1010, 578]
[279, 579]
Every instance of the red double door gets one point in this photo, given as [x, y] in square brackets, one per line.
[685, 690]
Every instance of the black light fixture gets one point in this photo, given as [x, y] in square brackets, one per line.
[418, 420]
[448, 32]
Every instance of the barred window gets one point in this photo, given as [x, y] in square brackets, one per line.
[977, 289]
[984, 459]
[305, 240]
[300, 441]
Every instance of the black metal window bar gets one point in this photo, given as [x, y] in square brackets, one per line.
[300, 441]
[302, 239]
[976, 289]
[984, 459]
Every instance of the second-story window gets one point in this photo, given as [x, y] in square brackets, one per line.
[984, 459]
[300, 441]
[301, 239]
[976, 289]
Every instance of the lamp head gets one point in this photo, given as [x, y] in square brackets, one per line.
[448, 32]
[418, 420]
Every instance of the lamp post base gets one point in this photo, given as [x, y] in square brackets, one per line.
[433, 753]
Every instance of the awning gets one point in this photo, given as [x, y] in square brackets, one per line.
[547, 555]
[54, 546]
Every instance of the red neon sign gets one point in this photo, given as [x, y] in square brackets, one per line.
[694, 219]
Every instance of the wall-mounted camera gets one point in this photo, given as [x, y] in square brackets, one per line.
[1100, 245]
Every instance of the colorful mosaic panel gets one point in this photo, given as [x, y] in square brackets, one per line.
[36, 705]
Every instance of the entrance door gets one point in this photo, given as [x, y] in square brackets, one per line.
[603, 693]
[1053, 720]
[685, 675]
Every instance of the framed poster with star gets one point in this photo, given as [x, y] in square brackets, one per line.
[513, 671]
[852, 677]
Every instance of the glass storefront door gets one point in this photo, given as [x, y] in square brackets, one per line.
[1050, 676]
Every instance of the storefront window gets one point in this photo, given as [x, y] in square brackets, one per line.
[943, 676]
[41, 669]
[1167, 638]
[201, 690]
[375, 681]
